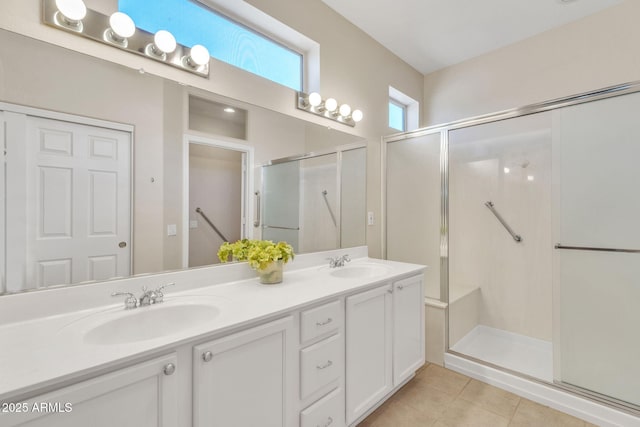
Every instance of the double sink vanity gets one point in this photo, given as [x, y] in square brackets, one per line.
[323, 348]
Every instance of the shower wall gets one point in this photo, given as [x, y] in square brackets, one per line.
[509, 164]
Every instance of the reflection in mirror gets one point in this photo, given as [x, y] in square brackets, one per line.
[215, 203]
[44, 249]
[316, 202]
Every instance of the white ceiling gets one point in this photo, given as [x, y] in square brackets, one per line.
[433, 34]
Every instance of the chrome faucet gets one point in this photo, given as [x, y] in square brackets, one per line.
[148, 297]
[338, 261]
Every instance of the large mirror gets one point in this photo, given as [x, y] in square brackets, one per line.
[103, 162]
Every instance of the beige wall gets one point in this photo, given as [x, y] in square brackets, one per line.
[597, 51]
[353, 68]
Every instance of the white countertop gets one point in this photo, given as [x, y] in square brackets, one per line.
[42, 351]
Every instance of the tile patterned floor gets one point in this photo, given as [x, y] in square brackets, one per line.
[439, 397]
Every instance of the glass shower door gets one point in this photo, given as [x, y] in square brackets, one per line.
[281, 192]
[597, 256]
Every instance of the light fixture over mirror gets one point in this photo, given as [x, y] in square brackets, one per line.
[163, 44]
[70, 14]
[121, 27]
[313, 103]
[120, 31]
[198, 56]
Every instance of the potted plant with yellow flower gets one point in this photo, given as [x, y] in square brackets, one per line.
[264, 256]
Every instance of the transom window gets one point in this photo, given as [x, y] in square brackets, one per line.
[397, 116]
[404, 111]
[227, 40]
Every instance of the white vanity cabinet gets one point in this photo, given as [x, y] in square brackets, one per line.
[384, 342]
[408, 328]
[369, 349]
[142, 395]
[324, 359]
[322, 365]
[247, 378]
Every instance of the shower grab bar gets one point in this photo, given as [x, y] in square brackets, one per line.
[256, 223]
[333, 218]
[211, 225]
[281, 228]
[589, 248]
[515, 236]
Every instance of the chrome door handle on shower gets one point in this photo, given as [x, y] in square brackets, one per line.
[591, 248]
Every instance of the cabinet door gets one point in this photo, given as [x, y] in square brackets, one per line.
[369, 350]
[246, 379]
[408, 328]
[142, 395]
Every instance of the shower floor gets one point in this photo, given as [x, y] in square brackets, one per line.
[529, 356]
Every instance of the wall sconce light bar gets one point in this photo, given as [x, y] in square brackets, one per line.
[328, 108]
[97, 27]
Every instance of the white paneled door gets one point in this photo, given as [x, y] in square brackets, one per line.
[68, 202]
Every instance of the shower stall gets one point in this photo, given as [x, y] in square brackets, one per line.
[528, 220]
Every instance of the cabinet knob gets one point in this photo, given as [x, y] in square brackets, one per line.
[169, 369]
[390, 291]
[401, 287]
[207, 356]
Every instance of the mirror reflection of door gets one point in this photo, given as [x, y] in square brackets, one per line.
[68, 202]
[216, 182]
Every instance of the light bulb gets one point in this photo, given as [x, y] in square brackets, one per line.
[530, 178]
[357, 115]
[229, 110]
[165, 41]
[74, 10]
[122, 25]
[331, 104]
[199, 55]
[315, 99]
[345, 110]
[507, 170]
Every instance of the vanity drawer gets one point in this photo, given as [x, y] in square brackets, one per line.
[320, 364]
[320, 321]
[326, 412]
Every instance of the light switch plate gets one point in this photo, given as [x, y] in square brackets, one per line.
[193, 223]
[172, 230]
[370, 218]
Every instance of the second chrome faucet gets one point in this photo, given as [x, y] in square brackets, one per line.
[338, 261]
[148, 297]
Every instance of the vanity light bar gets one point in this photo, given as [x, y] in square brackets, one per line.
[328, 108]
[96, 26]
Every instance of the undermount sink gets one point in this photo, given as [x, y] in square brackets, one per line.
[146, 323]
[361, 270]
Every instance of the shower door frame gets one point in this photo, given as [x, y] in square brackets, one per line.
[444, 129]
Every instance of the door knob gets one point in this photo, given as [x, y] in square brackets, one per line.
[122, 244]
